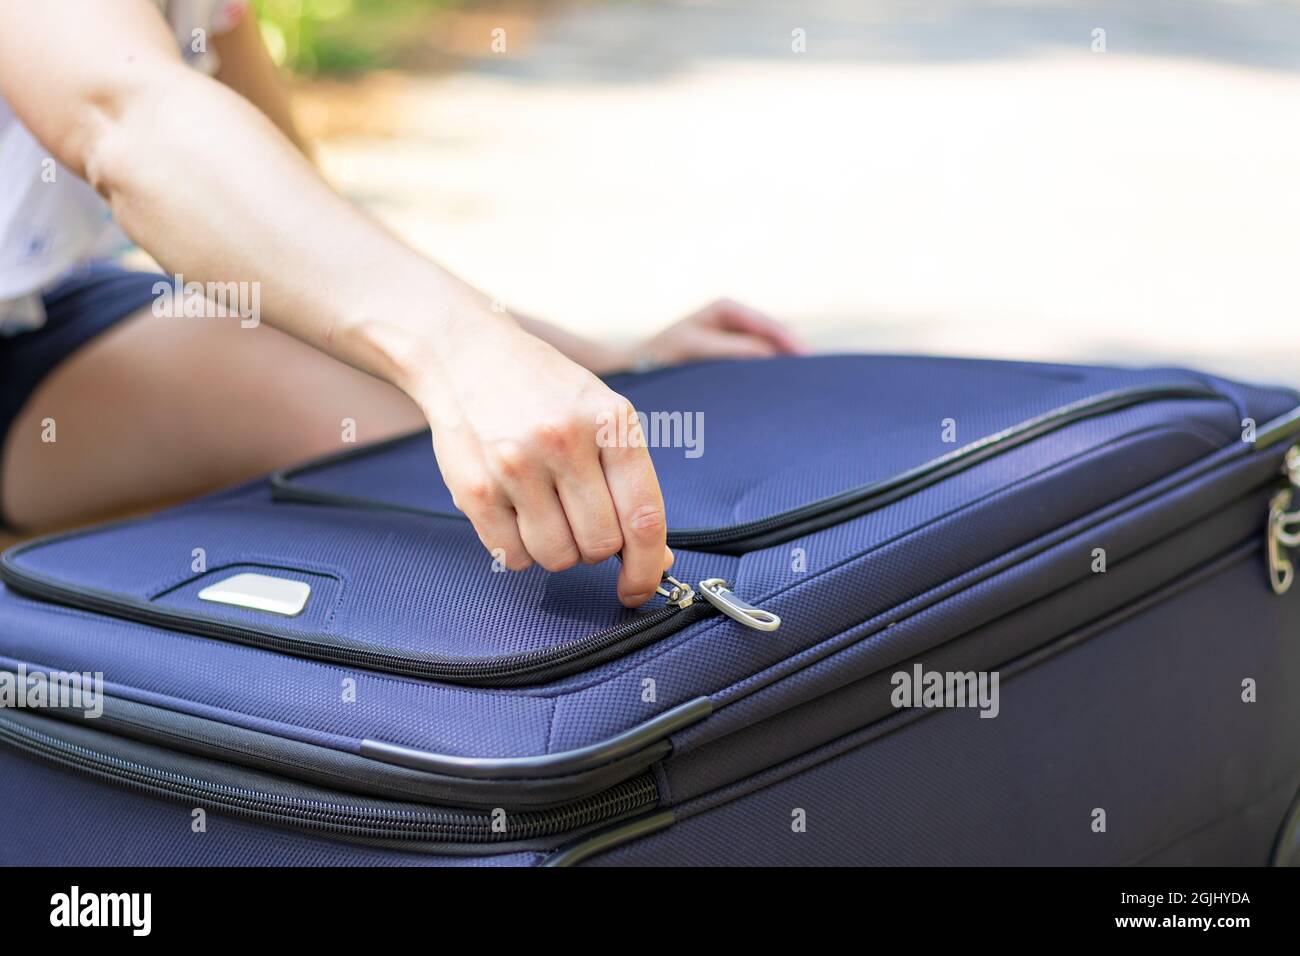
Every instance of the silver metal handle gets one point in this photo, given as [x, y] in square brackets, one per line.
[717, 593]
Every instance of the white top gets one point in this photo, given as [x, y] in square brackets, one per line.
[49, 218]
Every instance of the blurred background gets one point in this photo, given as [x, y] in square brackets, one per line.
[1082, 181]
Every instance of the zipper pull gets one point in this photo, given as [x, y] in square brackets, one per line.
[676, 593]
[717, 593]
[1281, 572]
[1284, 528]
[679, 595]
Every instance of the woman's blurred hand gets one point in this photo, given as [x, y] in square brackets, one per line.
[723, 329]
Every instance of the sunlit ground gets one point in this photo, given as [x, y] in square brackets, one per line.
[937, 177]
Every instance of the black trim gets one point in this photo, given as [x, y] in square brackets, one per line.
[787, 525]
[559, 778]
[552, 663]
[1286, 847]
[1278, 430]
[283, 487]
[574, 853]
[261, 797]
[712, 797]
[514, 670]
[546, 765]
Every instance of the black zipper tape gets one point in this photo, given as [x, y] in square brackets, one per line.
[533, 667]
[552, 663]
[333, 814]
[395, 771]
[815, 516]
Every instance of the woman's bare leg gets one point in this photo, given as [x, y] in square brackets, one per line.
[159, 409]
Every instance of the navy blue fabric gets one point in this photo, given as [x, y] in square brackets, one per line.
[395, 583]
[824, 613]
[400, 582]
[424, 584]
[778, 433]
[855, 598]
[196, 671]
[71, 820]
[1145, 721]
[850, 604]
[90, 300]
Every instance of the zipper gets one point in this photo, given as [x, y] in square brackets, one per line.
[373, 820]
[815, 516]
[681, 609]
[818, 515]
[513, 670]
[1284, 527]
[718, 593]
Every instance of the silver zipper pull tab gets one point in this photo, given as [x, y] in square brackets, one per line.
[1284, 527]
[678, 594]
[1281, 572]
[717, 593]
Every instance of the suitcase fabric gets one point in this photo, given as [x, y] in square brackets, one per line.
[896, 514]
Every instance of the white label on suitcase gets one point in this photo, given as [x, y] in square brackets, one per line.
[260, 592]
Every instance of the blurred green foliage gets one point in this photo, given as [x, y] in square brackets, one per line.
[343, 36]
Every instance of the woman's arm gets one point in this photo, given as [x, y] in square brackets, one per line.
[724, 329]
[214, 191]
[246, 67]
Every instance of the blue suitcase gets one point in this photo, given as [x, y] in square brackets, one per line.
[930, 612]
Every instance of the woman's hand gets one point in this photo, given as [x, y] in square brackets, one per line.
[723, 329]
[518, 427]
[515, 421]
[515, 426]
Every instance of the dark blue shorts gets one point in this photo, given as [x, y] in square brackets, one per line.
[92, 298]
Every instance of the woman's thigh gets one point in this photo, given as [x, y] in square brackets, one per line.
[159, 409]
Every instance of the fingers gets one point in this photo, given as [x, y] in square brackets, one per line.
[498, 530]
[590, 510]
[529, 467]
[493, 518]
[525, 476]
[544, 529]
[635, 491]
[555, 498]
[520, 521]
[735, 317]
[712, 344]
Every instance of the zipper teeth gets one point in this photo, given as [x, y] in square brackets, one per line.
[397, 823]
[549, 663]
[737, 538]
[485, 672]
[738, 534]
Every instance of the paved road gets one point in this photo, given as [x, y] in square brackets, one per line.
[941, 177]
